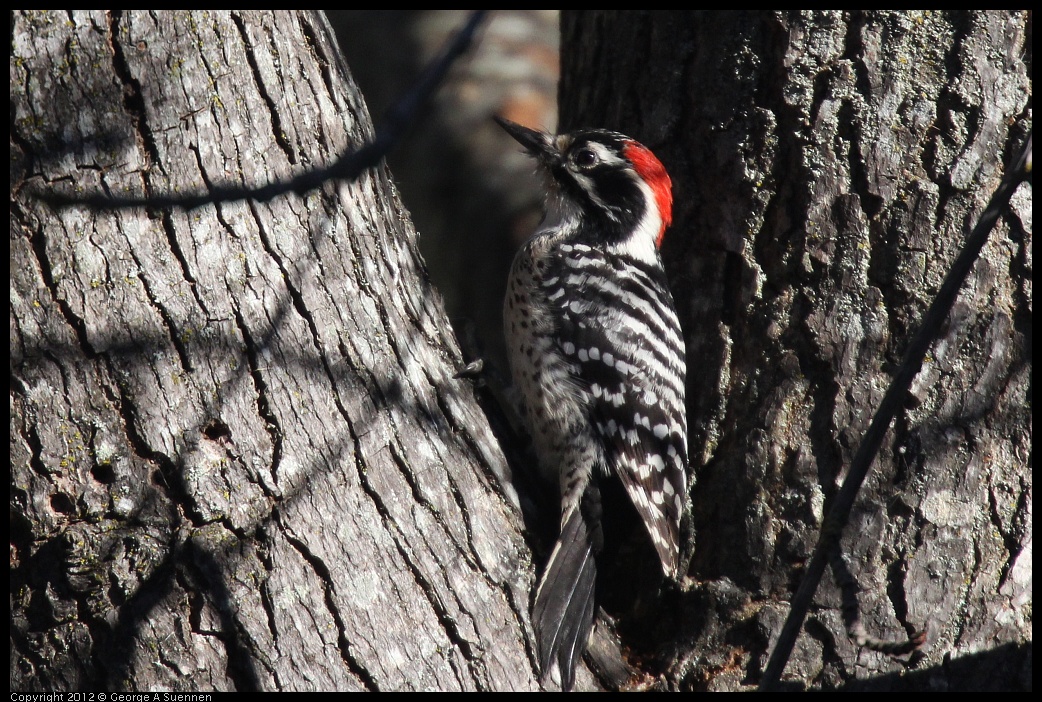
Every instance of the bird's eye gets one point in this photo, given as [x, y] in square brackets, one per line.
[585, 158]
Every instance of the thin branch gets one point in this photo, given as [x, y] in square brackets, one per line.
[348, 167]
[832, 529]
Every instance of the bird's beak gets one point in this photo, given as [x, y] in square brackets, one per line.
[537, 143]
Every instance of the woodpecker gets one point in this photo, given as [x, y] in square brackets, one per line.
[597, 357]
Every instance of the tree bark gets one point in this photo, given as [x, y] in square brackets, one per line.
[826, 168]
[239, 458]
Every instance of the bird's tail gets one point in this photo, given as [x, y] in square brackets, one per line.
[564, 602]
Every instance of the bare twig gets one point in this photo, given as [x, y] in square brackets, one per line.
[832, 528]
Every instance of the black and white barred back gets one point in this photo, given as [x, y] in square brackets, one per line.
[597, 355]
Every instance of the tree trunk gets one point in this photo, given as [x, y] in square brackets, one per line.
[827, 167]
[239, 458]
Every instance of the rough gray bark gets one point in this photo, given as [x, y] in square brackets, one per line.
[239, 459]
[826, 167]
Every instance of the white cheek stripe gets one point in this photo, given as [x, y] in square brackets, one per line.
[641, 244]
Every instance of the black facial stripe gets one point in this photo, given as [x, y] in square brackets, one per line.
[611, 184]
